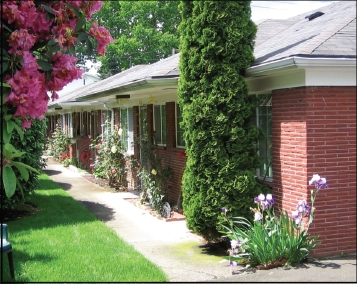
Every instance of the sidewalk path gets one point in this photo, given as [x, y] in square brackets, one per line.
[173, 247]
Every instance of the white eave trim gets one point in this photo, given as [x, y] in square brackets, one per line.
[300, 62]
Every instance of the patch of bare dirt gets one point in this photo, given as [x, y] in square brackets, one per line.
[23, 210]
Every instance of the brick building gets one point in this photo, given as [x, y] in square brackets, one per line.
[305, 75]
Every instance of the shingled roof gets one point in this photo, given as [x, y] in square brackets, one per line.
[165, 67]
[333, 34]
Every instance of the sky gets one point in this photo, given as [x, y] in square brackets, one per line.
[283, 9]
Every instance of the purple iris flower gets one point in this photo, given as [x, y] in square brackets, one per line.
[270, 199]
[224, 210]
[258, 216]
[298, 221]
[318, 181]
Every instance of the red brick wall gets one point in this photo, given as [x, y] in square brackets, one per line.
[83, 146]
[314, 132]
[169, 153]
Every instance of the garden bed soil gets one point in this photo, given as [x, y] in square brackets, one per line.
[175, 216]
[20, 211]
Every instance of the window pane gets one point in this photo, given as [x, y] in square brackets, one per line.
[81, 124]
[179, 131]
[106, 125]
[130, 131]
[89, 123]
[264, 113]
[163, 124]
[95, 130]
[124, 127]
[157, 124]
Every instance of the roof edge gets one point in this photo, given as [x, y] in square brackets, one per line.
[302, 61]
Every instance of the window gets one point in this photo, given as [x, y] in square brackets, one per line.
[95, 124]
[63, 123]
[263, 119]
[130, 131]
[106, 125]
[89, 124]
[69, 129]
[160, 124]
[81, 124]
[66, 123]
[180, 142]
[124, 127]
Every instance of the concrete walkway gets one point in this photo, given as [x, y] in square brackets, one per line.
[181, 254]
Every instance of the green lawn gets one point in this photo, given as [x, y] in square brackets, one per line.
[63, 242]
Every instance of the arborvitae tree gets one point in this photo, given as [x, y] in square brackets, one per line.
[217, 39]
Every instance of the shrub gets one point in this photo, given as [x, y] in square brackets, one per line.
[154, 172]
[33, 144]
[215, 50]
[58, 143]
[273, 239]
[110, 162]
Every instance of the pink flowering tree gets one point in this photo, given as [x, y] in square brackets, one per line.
[38, 58]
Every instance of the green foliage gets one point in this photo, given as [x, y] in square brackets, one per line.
[70, 161]
[215, 50]
[144, 32]
[271, 238]
[30, 146]
[110, 162]
[154, 173]
[58, 143]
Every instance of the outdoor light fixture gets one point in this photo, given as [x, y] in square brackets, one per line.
[121, 98]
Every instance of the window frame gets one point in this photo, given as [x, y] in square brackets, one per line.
[178, 129]
[267, 160]
[162, 124]
[81, 124]
[108, 130]
[123, 112]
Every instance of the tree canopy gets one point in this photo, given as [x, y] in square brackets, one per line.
[144, 33]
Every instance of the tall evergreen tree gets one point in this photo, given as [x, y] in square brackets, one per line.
[216, 47]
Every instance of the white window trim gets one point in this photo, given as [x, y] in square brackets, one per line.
[154, 122]
[259, 176]
[176, 130]
[81, 124]
[111, 124]
[130, 129]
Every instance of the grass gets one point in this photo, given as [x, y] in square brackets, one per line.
[63, 242]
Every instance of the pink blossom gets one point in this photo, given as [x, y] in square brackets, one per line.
[42, 26]
[31, 26]
[10, 12]
[28, 14]
[21, 40]
[63, 71]
[28, 94]
[102, 36]
[26, 124]
[30, 62]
